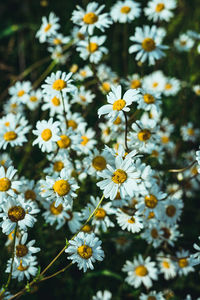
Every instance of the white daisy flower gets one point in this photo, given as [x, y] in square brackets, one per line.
[83, 97]
[183, 43]
[29, 190]
[196, 89]
[85, 249]
[47, 134]
[69, 139]
[88, 142]
[57, 163]
[154, 82]
[172, 86]
[171, 210]
[58, 54]
[125, 11]
[58, 39]
[140, 271]
[90, 18]
[149, 100]
[83, 73]
[158, 10]
[133, 81]
[152, 295]
[148, 43]
[183, 262]
[54, 104]
[169, 234]
[5, 160]
[20, 91]
[48, 28]
[34, 99]
[77, 35]
[13, 106]
[117, 102]
[102, 295]
[189, 133]
[132, 223]
[8, 183]
[167, 266]
[58, 83]
[152, 233]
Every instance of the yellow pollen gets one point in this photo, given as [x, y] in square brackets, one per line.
[141, 271]
[125, 9]
[33, 99]
[100, 213]
[131, 220]
[90, 18]
[149, 99]
[171, 210]
[160, 7]
[151, 201]
[7, 124]
[5, 184]
[72, 124]
[85, 251]
[59, 84]
[144, 135]
[46, 134]
[99, 163]
[57, 41]
[119, 176]
[10, 136]
[16, 213]
[64, 142]
[165, 264]
[21, 250]
[182, 262]
[87, 228]
[83, 98]
[154, 233]
[61, 187]
[92, 47]
[106, 86]
[117, 121]
[119, 104]
[56, 101]
[83, 73]
[190, 131]
[30, 194]
[56, 210]
[135, 84]
[85, 140]
[168, 86]
[47, 27]
[58, 166]
[155, 84]
[20, 93]
[165, 139]
[148, 44]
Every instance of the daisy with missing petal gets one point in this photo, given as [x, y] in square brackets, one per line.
[140, 271]
[20, 91]
[90, 18]
[147, 44]
[132, 223]
[123, 178]
[92, 48]
[125, 11]
[47, 134]
[85, 249]
[8, 183]
[153, 295]
[61, 189]
[158, 10]
[58, 83]
[117, 102]
[48, 28]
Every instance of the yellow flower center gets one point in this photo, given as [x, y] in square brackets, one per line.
[85, 251]
[106, 86]
[131, 220]
[10, 136]
[155, 84]
[168, 86]
[154, 233]
[74, 68]
[194, 170]
[151, 201]
[87, 228]
[59, 84]
[171, 210]
[7, 124]
[125, 9]
[57, 41]
[56, 210]
[100, 213]
[30, 194]
[165, 264]
[5, 184]
[149, 99]
[119, 176]
[119, 104]
[33, 99]
[190, 131]
[92, 47]
[141, 271]
[58, 166]
[85, 140]
[48, 26]
[83, 73]
[106, 131]
[182, 262]
[16, 213]
[135, 84]
[46, 134]
[117, 121]
[56, 101]
[21, 250]
[99, 163]
[151, 215]
[83, 98]
[148, 44]
[21, 267]
[20, 93]
[61, 187]
[64, 142]
[165, 139]
[90, 18]
[144, 135]
[159, 7]
[72, 124]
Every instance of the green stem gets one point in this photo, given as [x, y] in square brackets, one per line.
[13, 256]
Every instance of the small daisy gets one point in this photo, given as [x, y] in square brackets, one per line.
[85, 249]
[183, 43]
[90, 18]
[58, 54]
[69, 139]
[125, 11]
[12, 136]
[83, 73]
[189, 133]
[58, 39]
[8, 183]
[47, 134]
[183, 262]
[134, 81]
[140, 271]
[20, 91]
[152, 233]
[54, 104]
[154, 82]
[48, 28]
[171, 210]
[196, 89]
[105, 295]
[167, 266]
[172, 86]
[131, 223]
[117, 102]
[88, 142]
[83, 97]
[34, 99]
[158, 10]
[148, 43]
[13, 106]
[149, 100]
[57, 163]
[29, 190]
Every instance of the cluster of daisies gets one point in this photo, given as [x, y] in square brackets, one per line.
[122, 154]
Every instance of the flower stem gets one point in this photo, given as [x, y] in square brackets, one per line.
[13, 256]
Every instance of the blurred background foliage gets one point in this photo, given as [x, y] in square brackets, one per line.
[20, 19]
